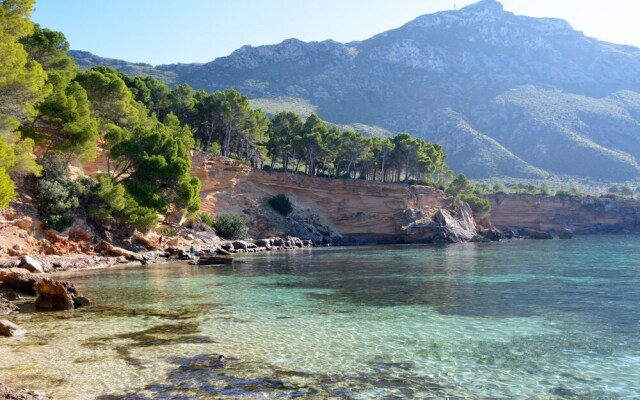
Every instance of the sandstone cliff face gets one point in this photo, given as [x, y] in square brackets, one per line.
[556, 213]
[355, 211]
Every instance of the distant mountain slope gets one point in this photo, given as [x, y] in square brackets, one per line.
[506, 95]
[86, 60]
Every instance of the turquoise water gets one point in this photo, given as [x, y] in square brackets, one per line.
[516, 319]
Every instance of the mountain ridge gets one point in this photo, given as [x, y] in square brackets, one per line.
[529, 96]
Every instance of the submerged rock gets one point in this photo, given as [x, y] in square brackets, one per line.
[8, 328]
[10, 394]
[540, 235]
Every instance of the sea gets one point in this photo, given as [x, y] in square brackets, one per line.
[516, 319]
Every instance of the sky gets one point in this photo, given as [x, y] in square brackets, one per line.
[190, 31]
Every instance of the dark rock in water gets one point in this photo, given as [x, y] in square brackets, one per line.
[540, 235]
[492, 234]
[8, 328]
[263, 243]
[81, 301]
[565, 234]
[53, 295]
[239, 245]
[278, 242]
[213, 260]
[509, 234]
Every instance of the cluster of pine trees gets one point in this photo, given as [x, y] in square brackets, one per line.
[52, 115]
[328, 151]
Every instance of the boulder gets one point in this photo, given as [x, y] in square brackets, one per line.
[278, 242]
[23, 223]
[81, 301]
[239, 245]
[307, 243]
[115, 251]
[266, 243]
[54, 295]
[540, 235]
[174, 242]
[491, 234]
[8, 328]
[31, 264]
[565, 234]
[20, 280]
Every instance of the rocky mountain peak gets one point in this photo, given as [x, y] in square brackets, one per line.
[484, 7]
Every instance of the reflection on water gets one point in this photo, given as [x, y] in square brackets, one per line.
[528, 319]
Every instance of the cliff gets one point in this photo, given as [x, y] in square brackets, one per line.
[580, 214]
[347, 210]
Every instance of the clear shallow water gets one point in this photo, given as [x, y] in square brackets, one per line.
[517, 319]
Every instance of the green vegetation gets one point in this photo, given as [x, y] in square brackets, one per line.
[480, 207]
[54, 114]
[281, 204]
[229, 226]
[48, 105]
[206, 218]
[326, 151]
[57, 194]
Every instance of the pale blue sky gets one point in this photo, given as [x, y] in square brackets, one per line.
[172, 31]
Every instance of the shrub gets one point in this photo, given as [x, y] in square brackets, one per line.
[480, 207]
[57, 195]
[281, 204]
[206, 218]
[459, 186]
[229, 226]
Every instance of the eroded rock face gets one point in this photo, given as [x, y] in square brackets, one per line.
[558, 213]
[331, 210]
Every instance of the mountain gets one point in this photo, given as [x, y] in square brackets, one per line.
[506, 95]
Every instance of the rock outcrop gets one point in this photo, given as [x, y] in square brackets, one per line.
[554, 214]
[338, 211]
[51, 294]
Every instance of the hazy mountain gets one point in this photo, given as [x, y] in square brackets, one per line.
[504, 94]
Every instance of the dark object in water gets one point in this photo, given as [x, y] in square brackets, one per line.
[215, 260]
